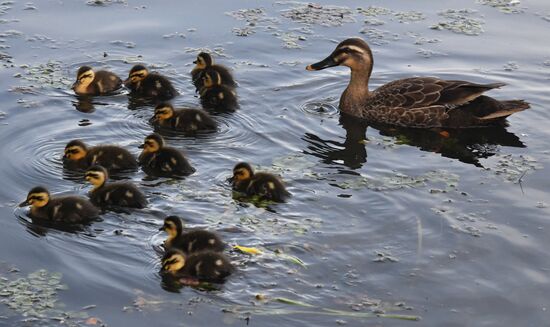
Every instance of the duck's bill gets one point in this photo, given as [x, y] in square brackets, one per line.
[23, 204]
[141, 146]
[163, 228]
[74, 85]
[325, 63]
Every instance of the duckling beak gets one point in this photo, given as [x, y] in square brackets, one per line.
[230, 179]
[23, 204]
[141, 146]
[195, 62]
[325, 63]
[74, 85]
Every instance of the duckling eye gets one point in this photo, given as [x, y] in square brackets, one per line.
[84, 76]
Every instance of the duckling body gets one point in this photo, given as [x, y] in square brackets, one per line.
[204, 266]
[216, 96]
[122, 194]
[191, 241]
[150, 85]
[184, 120]
[162, 161]
[64, 209]
[101, 82]
[114, 158]
[266, 186]
[421, 102]
[204, 61]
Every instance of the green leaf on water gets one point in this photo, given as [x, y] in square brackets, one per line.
[293, 302]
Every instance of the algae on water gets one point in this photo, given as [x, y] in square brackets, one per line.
[460, 21]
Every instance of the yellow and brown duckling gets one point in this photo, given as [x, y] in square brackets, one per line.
[195, 240]
[114, 158]
[421, 102]
[206, 266]
[205, 61]
[184, 120]
[143, 83]
[158, 160]
[266, 186]
[63, 209]
[215, 95]
[122, 194]
[101, 82]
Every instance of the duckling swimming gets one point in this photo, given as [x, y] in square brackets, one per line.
[101, 82]
[156, 159]
[266, 186]
[215, 95]
[422, 102]
[205, 61]
[113, 158]
[151, 85]
[66, 209]
[191, 241]
[123, 194]
[204, 266]
[183, 120]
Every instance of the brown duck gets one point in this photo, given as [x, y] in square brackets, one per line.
[422, 102]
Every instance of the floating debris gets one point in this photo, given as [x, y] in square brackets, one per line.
[11, 33]
[173, 35]
[506, 6]
[374, 11]
[316, 14]
[244, 31]
[50, 74]
[385, 257]
[120, 43]
[105, 2]
[513, 168]
[379, 37]
[511, 66]
[409, 16]
[460, 21]
[373, 21]
[290, 40]
[546, 63]
[429, 53]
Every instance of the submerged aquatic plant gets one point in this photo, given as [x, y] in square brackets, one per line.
[506, 6]
[460, 21]
[316, 14]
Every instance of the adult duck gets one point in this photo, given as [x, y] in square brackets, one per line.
[421, 102]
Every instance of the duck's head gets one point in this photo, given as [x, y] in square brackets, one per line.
[163, 111]
[203, 60]
[242, 172]
[84, 77]
[97, 176]
[172, 261]
[211, 78]
[37, 197]
[172, 226]
[136, 75]
[152, 143]
[75, 150]
[353, 53]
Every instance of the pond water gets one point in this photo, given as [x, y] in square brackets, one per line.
[449, 227]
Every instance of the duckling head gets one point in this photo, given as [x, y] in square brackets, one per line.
[97, 176]
[172, 261]
[163, 111]
[152, 143]
[37, 197]
[353, 53]
[136, 75]
[211, 78]
[84, 77]
[203, 60]
[172, 226]
[75, 150]
[242, 172]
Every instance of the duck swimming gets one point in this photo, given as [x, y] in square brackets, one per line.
[206, 266]
[190, 241]
[63, 209]
[205, 61]
[114, 158]
[421, 102]
[215, 95]
[184, 120]
[123, 194]
[101, 82]
[158, 160]
[266, 186]
[150, 85]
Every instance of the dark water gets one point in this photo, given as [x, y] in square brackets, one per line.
[406, 222]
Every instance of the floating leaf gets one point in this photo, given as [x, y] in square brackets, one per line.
[293, 302]
[247, 250]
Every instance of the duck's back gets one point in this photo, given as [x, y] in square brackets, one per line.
[106, 82]
[111, 157]
[157, 86]
[198, 240]
[122, 194]
[67, 209]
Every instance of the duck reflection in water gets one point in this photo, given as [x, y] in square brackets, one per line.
[465, 145]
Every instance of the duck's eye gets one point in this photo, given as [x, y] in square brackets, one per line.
[84, 76]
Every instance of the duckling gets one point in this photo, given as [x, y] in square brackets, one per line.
[195, 240]
[114, 158]
[266, 186]
[204, 61]
[156, 159]
[66, 209]
[123, 194]
[420, 102]
[101, 82]
[206, 266]
[185, 120]
[150, 85]
[215, 95]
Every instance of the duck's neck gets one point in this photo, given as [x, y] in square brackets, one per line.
[357, 92]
